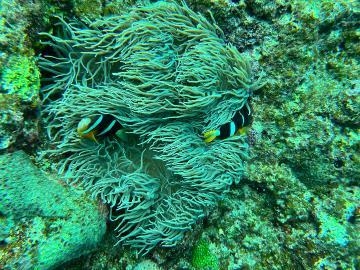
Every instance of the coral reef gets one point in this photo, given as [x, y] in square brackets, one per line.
[166, 79]
[146, 265]
[19, 123]
[39, 217]
[303, 173]
[297, 208]
[250, 230]
[88, 8]
[19, 76]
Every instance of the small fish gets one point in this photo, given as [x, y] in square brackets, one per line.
[98, 126]
[237, 126]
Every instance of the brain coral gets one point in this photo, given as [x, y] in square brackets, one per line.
[162, 71]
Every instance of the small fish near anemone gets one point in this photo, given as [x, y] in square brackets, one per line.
[237, 125]
[99, 126]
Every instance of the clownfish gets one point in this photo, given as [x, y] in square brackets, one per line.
[237, 126]
[99, 126]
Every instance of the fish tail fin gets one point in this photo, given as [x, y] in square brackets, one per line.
[242, 131]
[122, 135]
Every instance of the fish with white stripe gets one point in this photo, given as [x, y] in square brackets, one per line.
[99, 126]
[236, 126]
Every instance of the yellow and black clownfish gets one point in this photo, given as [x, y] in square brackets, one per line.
[236, 126]
[99, 126]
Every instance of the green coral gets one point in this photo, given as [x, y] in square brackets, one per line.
[21, 77]
[203, 258]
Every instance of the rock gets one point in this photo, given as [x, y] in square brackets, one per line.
[42, 222]
[147, 265]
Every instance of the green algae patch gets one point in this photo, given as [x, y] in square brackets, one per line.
[203, 258]
[21, 77]
[88, 8]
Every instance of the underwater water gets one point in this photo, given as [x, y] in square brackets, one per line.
[179, 135]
